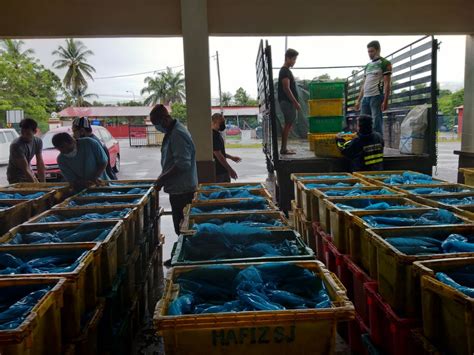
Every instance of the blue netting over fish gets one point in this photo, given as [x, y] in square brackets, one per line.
[461, 279]
[236, 241]
[132, 183]
[336, 184]
[134, 191]
[422, 245]
[252, 220]
[435, 217]
[20, 196]
[223, 194]
[86, 232]
[359, 192]
[266, 287]
[16, 302]
[324, 177]
[369, 205]
[255, 204]
[88, 203]
[439, 190]
[410, 179]
[458, 201]
[12, 263]
[85, 217]
[231, 187]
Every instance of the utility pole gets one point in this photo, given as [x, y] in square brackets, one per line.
[219, 79]
[286, 43]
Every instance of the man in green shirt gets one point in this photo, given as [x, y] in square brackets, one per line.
[375, 89]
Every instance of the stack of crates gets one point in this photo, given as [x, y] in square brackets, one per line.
[114, 283]
[326, 115]
[401, 307]
[213, 333]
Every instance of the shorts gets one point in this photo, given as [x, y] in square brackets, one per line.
[289, 112]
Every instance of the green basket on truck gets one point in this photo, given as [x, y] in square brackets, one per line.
[327, 90]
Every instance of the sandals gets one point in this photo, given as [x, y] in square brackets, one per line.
[287, 152]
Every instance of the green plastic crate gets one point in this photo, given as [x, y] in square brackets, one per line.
[325, 124]
[327, 90]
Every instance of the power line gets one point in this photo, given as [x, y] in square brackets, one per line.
[137, 74]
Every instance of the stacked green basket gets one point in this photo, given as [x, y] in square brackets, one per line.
[326, 106]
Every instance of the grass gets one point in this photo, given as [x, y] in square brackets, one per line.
[239, 145]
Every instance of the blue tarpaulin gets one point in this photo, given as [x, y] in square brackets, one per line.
[16, 303]
[134, 191]
[87, 216]
[20, 196]
[358, 192]
[265, 287]
[86, 232]
[435, 217]
[255, 204]
[461, 279]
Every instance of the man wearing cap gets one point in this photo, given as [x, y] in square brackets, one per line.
[82, 128]
[178, 162]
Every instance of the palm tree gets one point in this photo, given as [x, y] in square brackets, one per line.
[226, 98]
[166, 88]
[80, 97]
[14, 48]
[74, 57]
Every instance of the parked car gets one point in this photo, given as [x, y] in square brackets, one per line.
[50, 154]
[232, 130]
[7, 135]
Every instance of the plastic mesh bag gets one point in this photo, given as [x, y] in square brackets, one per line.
[86, 232]
[265, 287]
[20, 196]
[14, 309]
[134, 191]
[85, 217]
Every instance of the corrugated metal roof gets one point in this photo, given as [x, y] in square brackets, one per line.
[112, 111]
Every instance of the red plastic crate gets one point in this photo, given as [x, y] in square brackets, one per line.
[389, 332]
[334, 259]
[358, 279]
[318, 236]
[356, 329]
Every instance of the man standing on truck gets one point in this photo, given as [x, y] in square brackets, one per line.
[178, 163]
[366, 150]
[22, 150]
[376, 86]
[224, 171]
[288, 97]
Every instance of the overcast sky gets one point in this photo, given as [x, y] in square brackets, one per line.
[121, 56]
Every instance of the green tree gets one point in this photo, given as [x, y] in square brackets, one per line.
[166, 87]
[73, 57]
[447, 105]
[27, 85]
[226, 98]
[15, 48]
[241, 97]
[81, 97]
[178, 111]
[130, 103]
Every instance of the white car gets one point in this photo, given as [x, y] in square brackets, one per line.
[7, 135]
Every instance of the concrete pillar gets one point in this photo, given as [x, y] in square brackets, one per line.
[466, 155]
[198, 89]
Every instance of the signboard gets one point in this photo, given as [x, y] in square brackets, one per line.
[14, 116]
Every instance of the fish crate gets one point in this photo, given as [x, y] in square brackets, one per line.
[318, 207]
[359, 248]
[326, 107]
[454, 204]
[61, 190]
[337, 220]
[205, 195]
[422, 345]
[81, 286]
[398, 281]
[468, 175]
[73, 216]
[108, 247]
[230, 185]
[13, 213]
[213, 208]
[328, 124]
[327, 89]
[307, 232]
[448, 321]
[38, 204]
[325, 145]
[422, 193]
[40, 331]
[261, 332]
[308, 199]
[189, 221]
[379, 177]
[179, 257]
[388, 331]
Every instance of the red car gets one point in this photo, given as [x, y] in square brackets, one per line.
[50, 154]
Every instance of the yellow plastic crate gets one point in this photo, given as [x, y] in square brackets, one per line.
[468, 176]
[277, 332]
[325, 145]
[311, 138]
[40, 332]
[326, 107]
[448, 321]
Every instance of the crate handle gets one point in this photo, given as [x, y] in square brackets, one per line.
[337, 282]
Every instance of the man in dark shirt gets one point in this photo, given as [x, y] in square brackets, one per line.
[288, 97]
[224, 171]
[366, 150]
